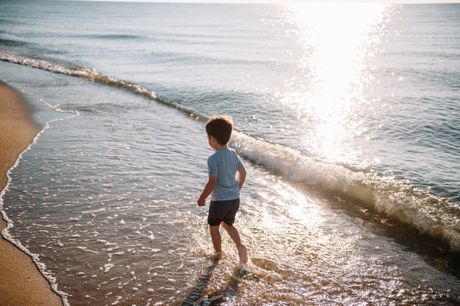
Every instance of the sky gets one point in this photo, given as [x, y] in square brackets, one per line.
[285, 1]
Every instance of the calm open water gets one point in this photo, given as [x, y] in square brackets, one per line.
[347, 118]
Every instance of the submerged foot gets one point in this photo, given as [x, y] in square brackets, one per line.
[216, 256]
[243, 268]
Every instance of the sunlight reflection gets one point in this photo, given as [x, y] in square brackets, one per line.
[295, 205]
[338, 39]
[309, 215]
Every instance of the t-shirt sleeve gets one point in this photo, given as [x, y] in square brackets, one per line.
[212, 167]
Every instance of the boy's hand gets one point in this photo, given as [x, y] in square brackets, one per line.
[201, 202]
[207, 190]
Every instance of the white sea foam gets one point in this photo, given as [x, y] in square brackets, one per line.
[92, 75]
[83, 248]
[119, 298]
[107, 267]
[435, 217]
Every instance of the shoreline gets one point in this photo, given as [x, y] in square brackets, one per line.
[21, 282]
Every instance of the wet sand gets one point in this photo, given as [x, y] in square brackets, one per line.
[20, 281]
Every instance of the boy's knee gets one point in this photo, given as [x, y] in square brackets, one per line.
[226, 226]
[214, 228]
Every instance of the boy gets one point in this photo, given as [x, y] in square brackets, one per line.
[225, 189]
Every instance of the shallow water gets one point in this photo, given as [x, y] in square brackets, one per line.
[362, 214]
[112, 214]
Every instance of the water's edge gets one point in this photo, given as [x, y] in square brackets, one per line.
[10, 224]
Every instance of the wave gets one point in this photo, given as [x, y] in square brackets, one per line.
[92, 75]
[110, 36]
[430, 215]
[94, 108]
[13, 43]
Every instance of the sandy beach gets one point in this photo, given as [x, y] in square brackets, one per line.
[20, 283]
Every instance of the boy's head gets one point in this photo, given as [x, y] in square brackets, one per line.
[220, 127]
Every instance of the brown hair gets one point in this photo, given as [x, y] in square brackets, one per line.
[220, 127]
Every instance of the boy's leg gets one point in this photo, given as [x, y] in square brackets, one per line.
[233, 233]
[216, 239]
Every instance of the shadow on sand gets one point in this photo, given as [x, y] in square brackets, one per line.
[195, 298]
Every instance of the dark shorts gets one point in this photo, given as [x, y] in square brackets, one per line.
[223, 211]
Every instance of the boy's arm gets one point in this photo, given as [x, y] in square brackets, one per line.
[241, 176]
[207, 190]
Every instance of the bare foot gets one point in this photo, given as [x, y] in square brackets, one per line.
[216, 256]
[243, 254]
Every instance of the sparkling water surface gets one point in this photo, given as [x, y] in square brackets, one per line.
[106, 196]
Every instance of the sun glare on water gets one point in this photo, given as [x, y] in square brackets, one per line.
[337, 40]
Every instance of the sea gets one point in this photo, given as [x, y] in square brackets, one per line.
[346, 116]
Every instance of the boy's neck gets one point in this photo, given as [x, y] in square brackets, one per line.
[220, 147]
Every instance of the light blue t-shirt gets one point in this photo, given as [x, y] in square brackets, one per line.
[224, 164]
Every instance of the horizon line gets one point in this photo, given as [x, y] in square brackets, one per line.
[270, 1]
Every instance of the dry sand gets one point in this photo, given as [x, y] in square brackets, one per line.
[21, 283]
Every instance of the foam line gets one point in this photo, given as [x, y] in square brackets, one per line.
[92, 75]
